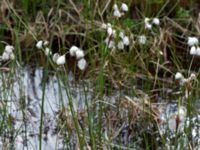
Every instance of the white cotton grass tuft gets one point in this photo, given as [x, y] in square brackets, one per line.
[194, 133]
[121, 35]
[104, 26]
[112, 40]
[42, 45]
[76, 52]
[46, 43]
[117, 13]
[5, 56]
[61, 60]
[192, 76]
[55, 57]
[198, 51]
[148, 26]
[82, 64]
[160, 52]
[79, 54]
[73, 50]
[9, 49]
[47, 51]
[115, 7]
[179, 76]
[193, 50]
[156, 21]
[39, 44]
[12, 56]
[109, 31]
[120, 45]
[111, 44]
[184, 81]
[142, 39]
[146, 20]
[124, 7]
[192, 41]
[8, 53]
[114, 33]
[126, 40]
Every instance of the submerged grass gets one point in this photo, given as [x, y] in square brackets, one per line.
[142, 74]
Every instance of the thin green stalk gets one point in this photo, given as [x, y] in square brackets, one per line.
[43, 96]
[60, 92]
[100, 91]
[74, 115]
[90, 121]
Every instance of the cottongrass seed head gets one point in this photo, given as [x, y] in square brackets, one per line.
[115, 7]
[109, 31]
[126, 41]
[148, 26]
[39, 44]
[121, 35]
[117, 13]
[142, 39]
[82, 64]
[73, 50]
[193, 50]
[9, 49]
[192, 41]
[124, 7]
[5, 56]
[46, 43]
[156, 21]
[47, 51]
[198, 51]
[79, 54]
[61, 60]
[55, 57]
[179, 76]
[8, 53]
[120, 45]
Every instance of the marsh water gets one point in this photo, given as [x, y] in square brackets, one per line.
[23, 101]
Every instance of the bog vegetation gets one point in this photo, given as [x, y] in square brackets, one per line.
[93, 74]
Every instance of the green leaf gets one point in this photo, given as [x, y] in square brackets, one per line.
[182, 13]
